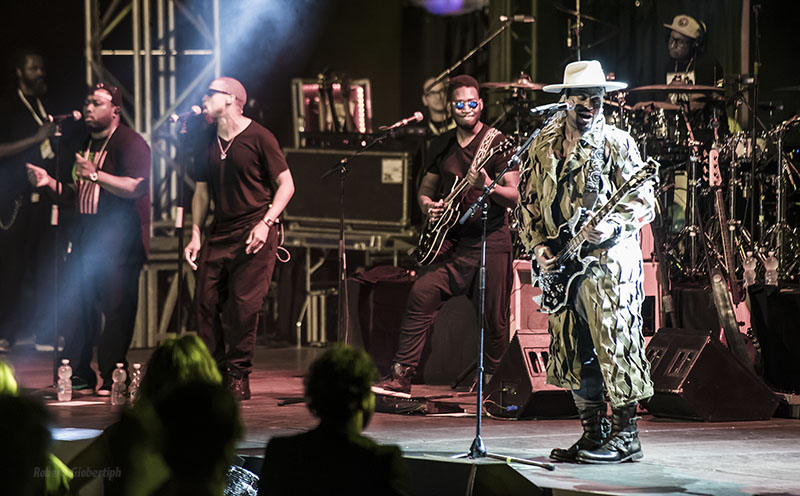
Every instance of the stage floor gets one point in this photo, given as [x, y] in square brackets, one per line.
[735, 458]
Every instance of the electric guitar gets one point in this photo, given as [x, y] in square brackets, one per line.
[434, 233]
[569, 243]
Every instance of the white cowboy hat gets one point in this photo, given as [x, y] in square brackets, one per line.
[584, 74]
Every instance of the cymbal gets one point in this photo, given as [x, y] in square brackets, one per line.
[656, 105]
[790, 88]
[521, 83]
[679, 88]
[613, 103]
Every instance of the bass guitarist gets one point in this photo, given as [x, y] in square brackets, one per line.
[456, 156]
[597, 348]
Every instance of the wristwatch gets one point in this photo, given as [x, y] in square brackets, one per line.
[93, 177]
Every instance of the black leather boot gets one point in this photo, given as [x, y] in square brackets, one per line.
[596, 428]
[397, 383]
[623, 443]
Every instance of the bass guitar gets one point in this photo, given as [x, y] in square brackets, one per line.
[434, 233]
[569, 242]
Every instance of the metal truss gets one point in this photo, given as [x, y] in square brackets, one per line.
[153, 82]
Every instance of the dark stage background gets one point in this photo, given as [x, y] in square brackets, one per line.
[397, 45]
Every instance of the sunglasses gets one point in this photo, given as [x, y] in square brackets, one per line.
[212, 91]
[460, 104]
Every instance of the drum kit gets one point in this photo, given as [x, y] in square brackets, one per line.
[749, 207]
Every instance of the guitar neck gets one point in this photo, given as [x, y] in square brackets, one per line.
[574, 244]
[463, 183]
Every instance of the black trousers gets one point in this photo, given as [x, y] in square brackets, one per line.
[455, 275]
[229, 278]
[105, 290]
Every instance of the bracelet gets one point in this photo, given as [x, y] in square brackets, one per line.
[269, 222]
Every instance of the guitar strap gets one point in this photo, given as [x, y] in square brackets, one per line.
[485, 146]
[593, 171]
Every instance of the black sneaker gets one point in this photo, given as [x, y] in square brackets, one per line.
[239, 386]
[397, 383]
[79, 384]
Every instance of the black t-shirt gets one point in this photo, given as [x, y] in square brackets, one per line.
[120, 230]
[451, 162]
[242, 184]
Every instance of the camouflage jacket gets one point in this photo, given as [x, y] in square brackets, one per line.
[542, 183]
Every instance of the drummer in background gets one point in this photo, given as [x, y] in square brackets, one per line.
[687, 64]
[437, 117]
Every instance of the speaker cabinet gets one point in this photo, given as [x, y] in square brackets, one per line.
[435, 476]
[379, 189]
[518, 389]
[696, 378]
[525, 314]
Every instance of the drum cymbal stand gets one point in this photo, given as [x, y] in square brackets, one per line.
[780, 237]
[691, 229]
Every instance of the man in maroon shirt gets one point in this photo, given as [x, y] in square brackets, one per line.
[236, 168]
[455, 269]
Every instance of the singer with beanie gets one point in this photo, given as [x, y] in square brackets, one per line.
[236, 166]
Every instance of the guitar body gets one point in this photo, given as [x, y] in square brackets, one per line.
[568, 246]
[557, 282]
[433, 234]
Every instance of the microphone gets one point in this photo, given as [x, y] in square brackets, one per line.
[74, 115]
[552, 107]
[517, 18]
[414, 118]
[194, 110]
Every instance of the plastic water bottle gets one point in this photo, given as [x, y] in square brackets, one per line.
[750, 269]
[136, 381]
[771, 269]
[118, 387]
[64, 385]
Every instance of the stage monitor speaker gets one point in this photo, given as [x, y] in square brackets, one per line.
[697, 378]
[378, 189]
[525, 314]
[435, 476]
[518, 389]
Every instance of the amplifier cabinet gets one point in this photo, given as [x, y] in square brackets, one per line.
[377, 188]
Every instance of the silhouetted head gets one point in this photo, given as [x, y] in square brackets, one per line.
[177, 361]
[24, 449]
[339, 384]
[201, 425]
[8, 383]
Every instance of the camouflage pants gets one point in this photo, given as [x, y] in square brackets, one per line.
[607, 300]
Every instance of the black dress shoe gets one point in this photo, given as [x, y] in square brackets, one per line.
[239, 386]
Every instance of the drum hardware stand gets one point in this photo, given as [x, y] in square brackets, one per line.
[774, 237]
[691, 228]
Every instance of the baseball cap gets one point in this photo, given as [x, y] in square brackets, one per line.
[116, 94]
[686, 25]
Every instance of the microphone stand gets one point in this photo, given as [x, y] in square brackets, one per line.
[478, 449]
[56, 222]
[343, 324]
[444, 74]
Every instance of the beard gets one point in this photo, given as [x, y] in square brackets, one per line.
[37, 85]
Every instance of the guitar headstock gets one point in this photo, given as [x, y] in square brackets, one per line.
[646, 173]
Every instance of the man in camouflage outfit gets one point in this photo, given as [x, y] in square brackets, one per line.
[597, 347]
